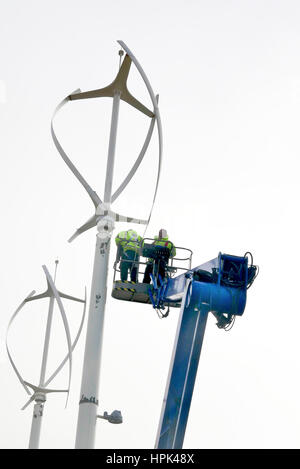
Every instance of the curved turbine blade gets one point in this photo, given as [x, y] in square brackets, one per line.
[156, 112]
[121, 84]
[137, 163]
[142, 73]
[65, 321]
[6, 341]
[93, 195]
[73, 346]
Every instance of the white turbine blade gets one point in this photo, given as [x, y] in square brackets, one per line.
[32, 398]
[93, 195]
[120, 83]
[160, 152]
[47, 391]
[123, 218]
[46, 294]
[7, 348]
[102, 211]
[73, 346]
[86, 226]
[137, 163]
[156, 112]
[107, 92]
[69, 297]
[141, 71]
[65, 322]
[126, 96]
[33, 387]
[43, 390]
[74, 236]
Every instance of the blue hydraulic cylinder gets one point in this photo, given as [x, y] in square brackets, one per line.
[227, 291]
[220, 298]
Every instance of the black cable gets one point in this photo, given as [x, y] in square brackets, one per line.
[250, 254]
[256, 274]
[255, 267]
[160, 314]
[230, 325]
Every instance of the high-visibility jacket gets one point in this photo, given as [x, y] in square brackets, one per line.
[129, 241]
[165, 243]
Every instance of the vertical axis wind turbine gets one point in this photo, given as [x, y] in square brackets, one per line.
[41, 390]
[104, 219]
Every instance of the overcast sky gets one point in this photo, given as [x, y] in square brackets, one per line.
[228, 77]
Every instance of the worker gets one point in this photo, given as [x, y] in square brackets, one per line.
[162, 240]
[128, 243]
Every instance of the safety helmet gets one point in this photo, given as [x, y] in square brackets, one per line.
[132, 234]
[162, 233]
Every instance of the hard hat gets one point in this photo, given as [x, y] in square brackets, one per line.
[162, 233]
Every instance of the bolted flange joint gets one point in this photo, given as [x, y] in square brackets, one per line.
[105, 227]
[40, 397]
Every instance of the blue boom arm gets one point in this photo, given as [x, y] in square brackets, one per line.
[219, 286]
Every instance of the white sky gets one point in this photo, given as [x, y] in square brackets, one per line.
[228, 76]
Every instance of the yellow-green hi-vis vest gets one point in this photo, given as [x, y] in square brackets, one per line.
[165, 243]
[129, 240]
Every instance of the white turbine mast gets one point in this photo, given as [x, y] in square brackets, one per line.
[40, 391]
[104, 219]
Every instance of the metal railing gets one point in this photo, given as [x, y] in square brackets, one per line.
[172, 266]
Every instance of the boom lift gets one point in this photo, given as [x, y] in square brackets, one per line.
[219, 286]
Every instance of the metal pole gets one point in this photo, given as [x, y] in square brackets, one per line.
[87, 416]
[41, 397]
[112, 148]
[36, 422]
